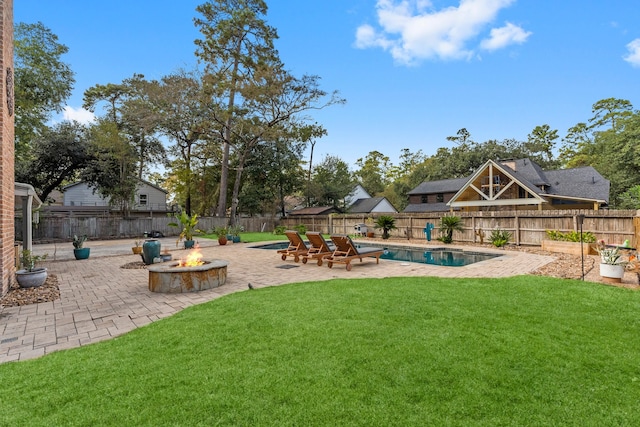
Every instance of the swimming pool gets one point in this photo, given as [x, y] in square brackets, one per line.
[434, 256]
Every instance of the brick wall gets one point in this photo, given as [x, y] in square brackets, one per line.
[7, 195]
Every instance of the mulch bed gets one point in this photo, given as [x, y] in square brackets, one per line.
[18, 296]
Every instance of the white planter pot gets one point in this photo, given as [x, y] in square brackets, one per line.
[615, 272]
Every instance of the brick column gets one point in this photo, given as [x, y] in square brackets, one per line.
[7, 196]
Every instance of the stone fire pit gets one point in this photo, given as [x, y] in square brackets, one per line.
[172, 278]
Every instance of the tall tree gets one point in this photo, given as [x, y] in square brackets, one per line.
[236, 42]
[275, 115]
[608, 111]
[185, 116]
[128, 105]
[374, 171]
[332, 182]
[541, 143]
[110, 170]
[43, 81]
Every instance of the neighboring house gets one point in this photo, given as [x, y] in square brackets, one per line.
[372, 205]
[356, 194]
[148, 197]
[433, 196]
[360, 201]
[513, 185]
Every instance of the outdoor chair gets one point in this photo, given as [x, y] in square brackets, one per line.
[346, 251]
[297, 247]
[319, 247]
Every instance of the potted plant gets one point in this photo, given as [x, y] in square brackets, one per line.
[386, 222]
[235, 231]
[137, 249]
[31, 276]
[612, 264]
[79, 251]
[221, 232]
[188, 224]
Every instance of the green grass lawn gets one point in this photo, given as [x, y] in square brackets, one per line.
[365, 352]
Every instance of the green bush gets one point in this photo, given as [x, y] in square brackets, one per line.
[449, 224]
[499, 237]
[387, 223]
[571, 236]
[279, 230]
[300, 228]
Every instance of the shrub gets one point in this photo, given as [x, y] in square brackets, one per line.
[279, 230]
[386, 222]
[499, 237]
[449, 224]
[571, 236]
[300, 228]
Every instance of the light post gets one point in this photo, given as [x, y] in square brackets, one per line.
[580, 219]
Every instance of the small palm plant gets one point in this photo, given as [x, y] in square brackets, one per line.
[188, 224]
[386, 222]
[449, 224]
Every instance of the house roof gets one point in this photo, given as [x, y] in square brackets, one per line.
[441, 186]
[66, 187]
[367, 205]
[315, 210]
[583, 183]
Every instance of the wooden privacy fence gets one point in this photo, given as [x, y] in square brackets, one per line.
[56, 228]
[526, 227]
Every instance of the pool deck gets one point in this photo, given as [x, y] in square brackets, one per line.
[99, 300]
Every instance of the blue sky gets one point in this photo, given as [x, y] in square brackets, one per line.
[413, 72]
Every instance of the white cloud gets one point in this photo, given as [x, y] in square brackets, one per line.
[79, 115]
[502, 37]
[633, 57]
[411, 30]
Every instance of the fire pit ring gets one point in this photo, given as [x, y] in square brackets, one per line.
[174, 279]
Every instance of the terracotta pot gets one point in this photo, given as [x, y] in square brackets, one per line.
[222, 240]
[137, 250]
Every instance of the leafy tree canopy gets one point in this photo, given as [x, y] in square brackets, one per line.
[43, 81]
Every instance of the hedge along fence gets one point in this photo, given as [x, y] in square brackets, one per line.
[57, 228]
[526, 227]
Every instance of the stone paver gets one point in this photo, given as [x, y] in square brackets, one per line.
[99, 300]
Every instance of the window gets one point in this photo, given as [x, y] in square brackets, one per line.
[424, 199]
[439, 198]
[143, 200]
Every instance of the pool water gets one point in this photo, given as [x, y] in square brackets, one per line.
[434, 256]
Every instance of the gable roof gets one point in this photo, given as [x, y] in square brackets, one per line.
[66, 187]
[583, 182]
[368, 205]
